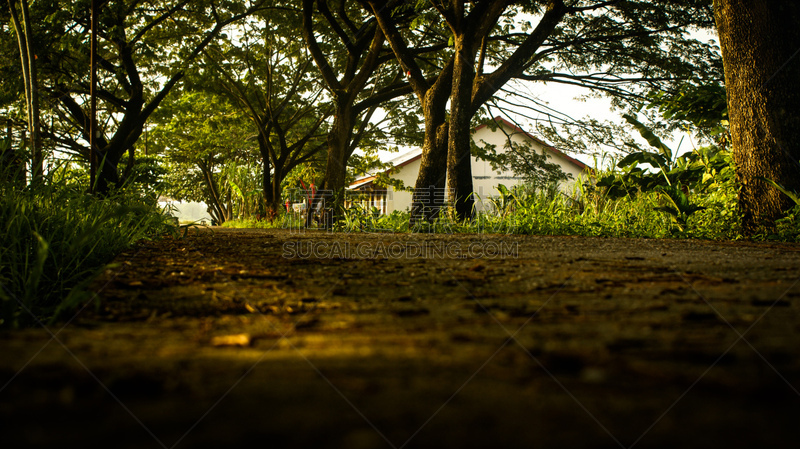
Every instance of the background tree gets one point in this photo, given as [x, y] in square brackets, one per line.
[622, 48]
[360, 75]
[525, 161]
[271, 78]
[145, 49]
[431, 84]
[207, 148]
[26, 39]
[759, 43]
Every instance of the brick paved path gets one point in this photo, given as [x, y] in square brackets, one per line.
[277, 339]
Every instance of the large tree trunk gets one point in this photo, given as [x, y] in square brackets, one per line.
[336, 167]
[267, 191]
[429, 190]
[266, 183]
[126, 135]
[108, 175]
[276, 204]
[759, 42]
[459, 161]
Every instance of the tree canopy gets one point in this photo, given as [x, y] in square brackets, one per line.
[316, 80]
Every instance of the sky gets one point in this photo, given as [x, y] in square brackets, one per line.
[570, 100]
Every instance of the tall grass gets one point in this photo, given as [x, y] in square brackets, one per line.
[700, 203]
[583, 212]
[282, 221]
[55, 238]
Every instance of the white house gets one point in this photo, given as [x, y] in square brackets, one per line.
[485, 179]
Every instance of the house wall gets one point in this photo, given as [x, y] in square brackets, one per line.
[498, 138]
[485, 179]
[400, 200]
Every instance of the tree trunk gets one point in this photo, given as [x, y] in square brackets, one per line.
[266, 183]
[108, 175]
[124, 138]
[37, 161]
[459, 161]
[759, 41]
[216, 204]
[429, 190]
[129, 164]
[27, 57]
[276, 205]
[12, 164]
[266, 171]
[336, 167]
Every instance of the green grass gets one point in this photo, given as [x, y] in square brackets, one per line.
[546, 214]
[283, 221]
[55, 238]
[701, 208]
[583, 213]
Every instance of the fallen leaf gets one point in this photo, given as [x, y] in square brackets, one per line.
[231, 340]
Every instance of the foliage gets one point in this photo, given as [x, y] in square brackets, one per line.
[505, 202]
[788, 227]
[525, 161]
[271, 80]
[144, 50]
[360, 218]
[206, 145]
[282, 221]
[55, 238]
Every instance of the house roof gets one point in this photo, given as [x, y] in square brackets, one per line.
[400, 161]
[555, 150]
[413, 155]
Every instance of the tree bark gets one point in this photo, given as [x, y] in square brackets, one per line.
[216, 203]
[267, 193]
[429, 190]
[12, 165]
[466, 89]
[459, 161]
[37, 161]
[759, 42]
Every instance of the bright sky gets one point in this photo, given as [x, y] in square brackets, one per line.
[567, 100]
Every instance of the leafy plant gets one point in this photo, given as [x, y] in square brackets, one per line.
[55, 238]
[676, 203]
[504, 203]
[792, 195]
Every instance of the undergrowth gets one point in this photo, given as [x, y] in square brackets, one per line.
[55, 238]
[693, 195]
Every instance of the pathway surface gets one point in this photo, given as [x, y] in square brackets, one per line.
[233, 338]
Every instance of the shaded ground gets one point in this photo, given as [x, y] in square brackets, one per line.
[278, 339]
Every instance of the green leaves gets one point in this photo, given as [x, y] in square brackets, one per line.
[792, 195]
[675, 202]
[55, 237]
[643, 157]
[653, 140]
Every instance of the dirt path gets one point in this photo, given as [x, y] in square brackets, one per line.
[277, 339]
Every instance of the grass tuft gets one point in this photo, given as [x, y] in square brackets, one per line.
[55, 238]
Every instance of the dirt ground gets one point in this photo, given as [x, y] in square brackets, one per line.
[281, 339]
